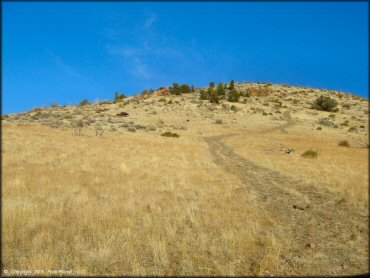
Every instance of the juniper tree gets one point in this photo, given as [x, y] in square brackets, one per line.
[184, 89]
[220, 90]
[175, 89]
[233, 96]
[232, 85]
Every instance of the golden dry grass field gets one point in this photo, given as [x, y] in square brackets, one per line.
[231, 196]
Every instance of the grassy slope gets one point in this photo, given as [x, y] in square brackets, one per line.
[139, 203]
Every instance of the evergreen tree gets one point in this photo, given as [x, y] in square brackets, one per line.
[232, 85]
[220, 90]
[233, 96]
[175, 90]
[185, 89]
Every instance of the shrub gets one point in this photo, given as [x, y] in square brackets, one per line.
[213, 95]
[233, 108]
[220, 89]
[352, 129]
[233, 96]
[323, 103]
[219, 121]
[162, 99]
[77, 128]
[259, 91]
[185, 89]
[151, 91]
[144, 93]
[319, 128]
[203, 95]
[232, 85]
[343, 143]
[212, 84]
[84, 102]
[105, 102]
[309, 154]
[118, 97]
[54, 104]
[175, 89]
[170, 134]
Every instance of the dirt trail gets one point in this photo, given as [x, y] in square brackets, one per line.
[325, 236]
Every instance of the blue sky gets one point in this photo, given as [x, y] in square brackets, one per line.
[62, 53]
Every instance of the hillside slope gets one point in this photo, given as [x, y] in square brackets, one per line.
[92, 190]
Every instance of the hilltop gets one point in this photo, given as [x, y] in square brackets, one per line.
[236, 179]
[267, 100]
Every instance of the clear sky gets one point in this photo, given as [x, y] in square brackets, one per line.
[66, 52]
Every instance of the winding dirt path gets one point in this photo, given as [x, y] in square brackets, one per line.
[325, 236]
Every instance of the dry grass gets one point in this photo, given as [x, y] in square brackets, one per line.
[344, 170]
[124, 204]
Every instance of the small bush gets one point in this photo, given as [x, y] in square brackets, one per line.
[352, 129]
[232, 85]
[162, 99]
[319, 128]
[203, 95]
[323, 103]
[343, 143]
[84, 102]
[175, 89]
[118, 98]
[233, 96]
[170, 134]
[219, 121]
[105, 102]
[309, 154]
[185, 89]
[220, 90]
[213, 95]
[233, 108]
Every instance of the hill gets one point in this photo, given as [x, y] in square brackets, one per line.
[167, 184]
